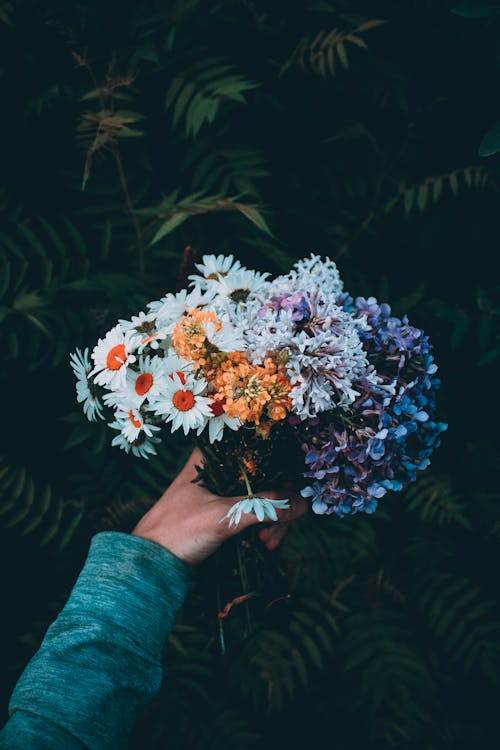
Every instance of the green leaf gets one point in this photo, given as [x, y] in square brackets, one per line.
[423, 191]
[409, 197]
[342, 55]
[170, 224]
[254, 216]
[491, 141]
[437, 187]
[489, 356]
[299, 666]
[476, 9]
[373, 23]
[453, 183]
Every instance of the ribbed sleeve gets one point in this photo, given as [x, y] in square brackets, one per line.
[100, 661]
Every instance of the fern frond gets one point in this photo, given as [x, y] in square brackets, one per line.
[225, 171]
[38, 261]
[174, 211]
[464, 621]
[280, 663]
[195, 96]
[420, 195]
[323, 53]
[434, 499]
[98, 130]
[389, 676]
[318, 553]
[30, 509]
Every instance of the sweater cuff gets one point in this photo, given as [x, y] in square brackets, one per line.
[127, 579]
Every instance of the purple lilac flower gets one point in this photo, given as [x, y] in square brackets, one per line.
[389, 432]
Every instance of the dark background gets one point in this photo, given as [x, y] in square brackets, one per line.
[249, 127]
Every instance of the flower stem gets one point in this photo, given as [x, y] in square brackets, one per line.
[246, 480]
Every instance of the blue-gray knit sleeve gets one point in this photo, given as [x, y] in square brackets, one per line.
[100, 661]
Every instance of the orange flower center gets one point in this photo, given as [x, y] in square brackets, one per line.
[134, 421]
[143, 383]
[183, 400]
[180, 375]
[116, 357]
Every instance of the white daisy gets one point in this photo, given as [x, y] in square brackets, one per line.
[236, 288]
[133, 424]
[111, 356]
[146, 330]
[143, 447]
[214, 267]
[142, 382]
[143, 323]
[226, 339]
[262, 507]
[182, 402]
[85, 391]
[169, 309]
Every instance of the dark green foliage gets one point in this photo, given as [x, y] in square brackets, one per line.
[266, 129]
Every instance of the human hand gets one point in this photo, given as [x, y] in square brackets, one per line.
[187, 518]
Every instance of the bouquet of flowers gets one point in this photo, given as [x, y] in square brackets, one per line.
[286, 380]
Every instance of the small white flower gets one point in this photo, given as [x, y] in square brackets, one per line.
[143, 447]
[262, 507]
[92, 407]
[169, 309]
[309, 274]
[182, 402]
[111, 356]
[143, 323]
[133, 424]
[236, 288]
[215, 267]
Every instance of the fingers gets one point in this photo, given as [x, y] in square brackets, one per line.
[298, 506]
[272, 535]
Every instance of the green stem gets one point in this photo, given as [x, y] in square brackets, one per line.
[246, 480]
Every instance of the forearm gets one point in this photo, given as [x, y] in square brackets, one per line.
[100, 661]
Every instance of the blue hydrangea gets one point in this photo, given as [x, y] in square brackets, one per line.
[388, 434]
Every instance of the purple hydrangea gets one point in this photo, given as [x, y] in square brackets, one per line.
[389, 432]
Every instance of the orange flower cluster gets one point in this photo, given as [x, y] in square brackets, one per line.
[247, 391]
[189, 336]
[253, 391]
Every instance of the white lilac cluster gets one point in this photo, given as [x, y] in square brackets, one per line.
[297, 315]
